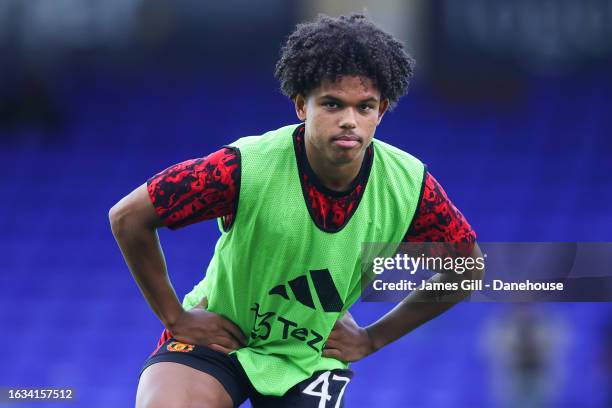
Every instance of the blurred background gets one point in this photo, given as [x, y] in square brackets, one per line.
[510, 109]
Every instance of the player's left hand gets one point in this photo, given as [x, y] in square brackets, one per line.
[348, 341]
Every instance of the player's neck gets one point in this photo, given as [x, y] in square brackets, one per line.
[336, 177]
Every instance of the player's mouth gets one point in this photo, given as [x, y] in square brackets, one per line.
[346, 141]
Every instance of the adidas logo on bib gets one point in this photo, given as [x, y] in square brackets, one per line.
[324, 287]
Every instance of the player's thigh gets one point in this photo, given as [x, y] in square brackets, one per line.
[169, 385]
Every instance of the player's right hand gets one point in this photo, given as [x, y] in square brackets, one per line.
[201, 327]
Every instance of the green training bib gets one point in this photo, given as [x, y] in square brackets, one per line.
[283, 280]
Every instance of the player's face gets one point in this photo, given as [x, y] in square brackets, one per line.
[341, 118]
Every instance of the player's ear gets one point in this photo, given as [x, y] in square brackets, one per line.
[300, 107]
[382, 108]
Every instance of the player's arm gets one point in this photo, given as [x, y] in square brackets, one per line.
[162, 202]
[134, 223]
[349, 342]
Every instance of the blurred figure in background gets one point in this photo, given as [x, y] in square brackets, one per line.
[607, 362]
[26, 102]
[525, 349]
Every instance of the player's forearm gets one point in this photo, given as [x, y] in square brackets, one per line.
[419, 307]
[145, 259]
[134, 228]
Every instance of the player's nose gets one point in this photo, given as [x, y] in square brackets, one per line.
[348, 119]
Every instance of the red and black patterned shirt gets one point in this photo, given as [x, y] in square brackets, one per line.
[207, 188]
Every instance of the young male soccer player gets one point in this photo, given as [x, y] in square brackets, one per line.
[294, 206]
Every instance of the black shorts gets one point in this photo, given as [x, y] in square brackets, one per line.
[323, 385]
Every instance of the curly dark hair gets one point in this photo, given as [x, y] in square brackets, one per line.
[328, 48]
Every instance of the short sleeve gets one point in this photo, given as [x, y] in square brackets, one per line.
[438, 220]
[197, 189]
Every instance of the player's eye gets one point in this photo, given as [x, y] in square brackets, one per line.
[331, 105]
[366, 107]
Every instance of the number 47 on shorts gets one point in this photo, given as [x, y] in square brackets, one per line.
[329, 388]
